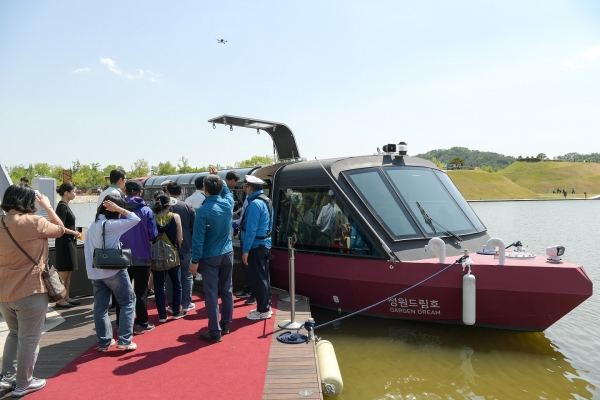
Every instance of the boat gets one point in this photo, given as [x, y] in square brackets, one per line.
[399, 221]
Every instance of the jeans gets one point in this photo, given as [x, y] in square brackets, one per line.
[139, 275]
[216, 278]
[25, 319]
[187, 283]
[258, 261]
[120, 286]
[159, 289]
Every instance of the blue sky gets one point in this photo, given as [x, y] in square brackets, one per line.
[114, 81]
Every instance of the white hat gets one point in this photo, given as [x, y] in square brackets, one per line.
[254, 180]
[330, 192]
[165, 183]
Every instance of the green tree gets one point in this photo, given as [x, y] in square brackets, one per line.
[164, 169]
[184, 167]
[256, 160]
[437, 162]
[88, 176]
[108, 168]
[457, 160]
[140, 169]
[542, 156]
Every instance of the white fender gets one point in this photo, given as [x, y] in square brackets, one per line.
[469, 299]
[331, 377]
[438, 245]
[496, 242]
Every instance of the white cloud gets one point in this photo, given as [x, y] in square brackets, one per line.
[82, 70]
[592, 53]
[111, 64]
[574, 66]
[152, 76]
[139, 75]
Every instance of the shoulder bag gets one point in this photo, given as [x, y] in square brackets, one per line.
[54, 285]
[110, 258]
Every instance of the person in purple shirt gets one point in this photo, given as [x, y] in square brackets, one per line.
[138, 240]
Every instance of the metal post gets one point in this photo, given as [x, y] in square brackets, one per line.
[291, 323]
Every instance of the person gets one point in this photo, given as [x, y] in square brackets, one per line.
[326, 222]
[66, 245]
[246, 293]
[198, 197]
[24, 181]
[231, 179]
[168, 224]
[256, 246]
[212, 250]
[187, 215]
[24, 298]
[107, 228]
[164, 184]
[565, 193]
[116, 187]
[585, 195]
[138, 239]
[307, 221]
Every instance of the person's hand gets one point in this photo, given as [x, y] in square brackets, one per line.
[43, 201]
[194, 269]
[110, 206]
[213, 170]
[245, 258]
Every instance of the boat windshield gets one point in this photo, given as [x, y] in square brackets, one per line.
[412, 201]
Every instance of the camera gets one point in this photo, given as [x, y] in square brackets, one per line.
[554, 253]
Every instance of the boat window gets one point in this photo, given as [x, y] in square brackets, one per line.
[460, 200]
[423, 193]
[318, 221]
[374, 190]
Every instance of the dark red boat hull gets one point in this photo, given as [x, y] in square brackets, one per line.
[527, 295]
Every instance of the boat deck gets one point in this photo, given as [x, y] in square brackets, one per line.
[291, 370]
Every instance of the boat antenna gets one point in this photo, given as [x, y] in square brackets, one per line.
[393, 257]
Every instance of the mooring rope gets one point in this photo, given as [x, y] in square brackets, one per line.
[460, 260]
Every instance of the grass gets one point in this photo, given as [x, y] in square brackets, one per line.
[525, 180]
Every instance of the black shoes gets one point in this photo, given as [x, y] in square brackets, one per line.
[224, 329]
[207, 337]
[64, 306]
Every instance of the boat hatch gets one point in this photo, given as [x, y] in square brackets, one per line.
[282, 136]
[412, 202]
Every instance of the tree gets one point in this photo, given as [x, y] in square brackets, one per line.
[139, 169]
[257, 160]
[184, 167]
[437, 162]
[110, 167]
[88, 176]
[457, 160]
[165, 169]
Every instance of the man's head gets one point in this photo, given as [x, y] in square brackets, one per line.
[117, 178]
[232, 179]
[330, 195]
[308, 202]
[164, 185]
[253, 184]
[133, 188]
[24, 181]
[199, 182]
[212, 185]
[174, 189]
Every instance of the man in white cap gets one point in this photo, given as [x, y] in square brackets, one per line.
[326, 222]
[256, 226]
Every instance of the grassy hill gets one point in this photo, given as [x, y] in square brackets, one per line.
[480, 185]
[541, 176]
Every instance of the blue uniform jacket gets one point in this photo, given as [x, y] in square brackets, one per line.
[212, 226]
[256, 223]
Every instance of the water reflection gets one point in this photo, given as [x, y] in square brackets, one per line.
[394, 359]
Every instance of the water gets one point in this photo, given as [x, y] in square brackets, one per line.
[393, 359]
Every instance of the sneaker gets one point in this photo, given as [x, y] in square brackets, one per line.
[198, 277]
[250, 300]
[179, 314]
[7, 384]
[35, 385]
[170, 310]
[162, 318]
[127, 347]
[190, 307]
[140, 329]
[242, 295]
[224, 328]
[208, 337]
[103, 349]
[255, 314]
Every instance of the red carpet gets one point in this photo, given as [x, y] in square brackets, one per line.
[172, 363]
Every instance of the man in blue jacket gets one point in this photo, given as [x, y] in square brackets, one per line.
[213, 250]
[256, 226]
[138, 240]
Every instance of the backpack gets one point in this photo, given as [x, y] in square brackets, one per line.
[163, 256]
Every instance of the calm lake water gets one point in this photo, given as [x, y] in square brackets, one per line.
[393, 359]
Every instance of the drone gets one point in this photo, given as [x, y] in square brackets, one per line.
[222, 41]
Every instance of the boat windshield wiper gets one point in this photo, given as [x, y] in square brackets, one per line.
[431, 222]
